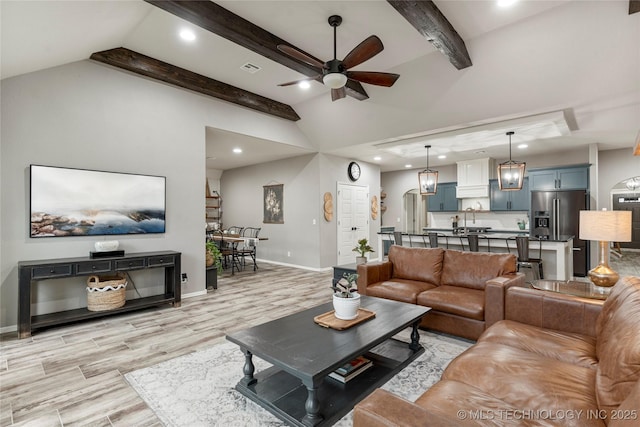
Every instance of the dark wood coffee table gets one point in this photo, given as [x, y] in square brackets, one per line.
[296, 389]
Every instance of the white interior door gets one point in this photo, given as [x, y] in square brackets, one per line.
[353, 220]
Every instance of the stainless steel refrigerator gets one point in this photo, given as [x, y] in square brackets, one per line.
[556, 215]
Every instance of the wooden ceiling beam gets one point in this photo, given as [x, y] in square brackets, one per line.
[218, 20]
[159, 70]
[634, 6]
[425, 17]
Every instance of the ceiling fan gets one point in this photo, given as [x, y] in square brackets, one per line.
[335, 73]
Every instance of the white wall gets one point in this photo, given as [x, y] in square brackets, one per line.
[91, 116]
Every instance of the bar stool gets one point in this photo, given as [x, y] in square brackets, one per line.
[488, 242]
[433, 239]
[535, 264]
[473, 243]
[397, 237]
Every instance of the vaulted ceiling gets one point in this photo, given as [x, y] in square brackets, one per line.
[561, 73]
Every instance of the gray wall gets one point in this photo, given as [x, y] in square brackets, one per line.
[298, 241]
[615, 166]
[91, 116]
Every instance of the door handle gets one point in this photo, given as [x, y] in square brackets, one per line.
[576, 249]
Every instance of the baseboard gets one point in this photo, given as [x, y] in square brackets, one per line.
[7, 329]
[194, 294]
[303, 267]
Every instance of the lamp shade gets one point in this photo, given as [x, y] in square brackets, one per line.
[334, 80]
[609, 226]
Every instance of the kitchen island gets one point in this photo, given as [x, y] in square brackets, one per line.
[557, 254]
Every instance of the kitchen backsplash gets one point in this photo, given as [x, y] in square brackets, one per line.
[495, 220]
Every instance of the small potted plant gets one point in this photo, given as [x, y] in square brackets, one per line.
[346, 299]
[213, 258]
[362, 248]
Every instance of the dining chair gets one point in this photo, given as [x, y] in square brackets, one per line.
[234, 229]
[249, 246]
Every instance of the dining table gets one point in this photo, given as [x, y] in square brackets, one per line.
[234, 238]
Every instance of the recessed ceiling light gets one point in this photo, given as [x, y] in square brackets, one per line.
[442, 156]
[187, 34]
[237, 150]
[522, 146]
[506, 3]
[377, 158]
[304, 84]
[407, 166]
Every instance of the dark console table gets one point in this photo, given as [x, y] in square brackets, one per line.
[36, 270]
[340, 270]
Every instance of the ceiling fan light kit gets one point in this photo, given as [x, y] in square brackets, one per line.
[511, 172]
[334, 80]
[335, 73]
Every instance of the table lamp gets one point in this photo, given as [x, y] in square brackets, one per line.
[605, 226]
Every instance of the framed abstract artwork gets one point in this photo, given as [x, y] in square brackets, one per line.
[80, 202]
[273, 198]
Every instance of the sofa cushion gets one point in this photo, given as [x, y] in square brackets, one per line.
[422, 264]
[454, 300]
[473, 269]
[572, 348]
[471, 406]
[527, 380]
[618, 344]
[399, 289]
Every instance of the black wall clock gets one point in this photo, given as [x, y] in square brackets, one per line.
[353, 171]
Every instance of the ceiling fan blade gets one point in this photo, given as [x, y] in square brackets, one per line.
[366, 50]
[298, 81]
[338, 93]
[373, 78]
[295, 53]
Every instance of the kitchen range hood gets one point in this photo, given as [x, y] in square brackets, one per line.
[473, 178]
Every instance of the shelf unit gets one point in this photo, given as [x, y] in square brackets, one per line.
[213, 208]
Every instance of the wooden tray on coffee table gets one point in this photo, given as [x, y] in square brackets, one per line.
[329, 320]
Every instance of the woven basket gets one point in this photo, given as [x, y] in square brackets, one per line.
[106, 292]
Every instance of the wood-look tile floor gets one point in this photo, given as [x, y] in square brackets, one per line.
[73, 375]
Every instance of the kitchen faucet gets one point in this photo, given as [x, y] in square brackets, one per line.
[473, 220]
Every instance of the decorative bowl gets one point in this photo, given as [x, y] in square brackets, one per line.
[107, 245]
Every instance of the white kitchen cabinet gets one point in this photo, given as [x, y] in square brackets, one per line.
[474, 176]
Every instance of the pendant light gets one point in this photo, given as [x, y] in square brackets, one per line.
[428, 179]
[511, 173]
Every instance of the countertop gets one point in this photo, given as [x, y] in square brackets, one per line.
[492, 234]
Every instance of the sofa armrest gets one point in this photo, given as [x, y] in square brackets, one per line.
[373, 272]
[494, 292]
[384, 409]
[552, 310]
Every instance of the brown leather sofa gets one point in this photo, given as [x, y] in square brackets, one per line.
[465, 290]
[556, 360]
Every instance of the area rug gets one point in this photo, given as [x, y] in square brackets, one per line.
[197, 390]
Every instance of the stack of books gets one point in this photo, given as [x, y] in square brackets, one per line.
[352, 369]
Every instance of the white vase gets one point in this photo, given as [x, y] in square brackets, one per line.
[361, 260]
[346, 308]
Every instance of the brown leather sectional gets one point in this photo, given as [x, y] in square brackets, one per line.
[464, 289]
[556, 360]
